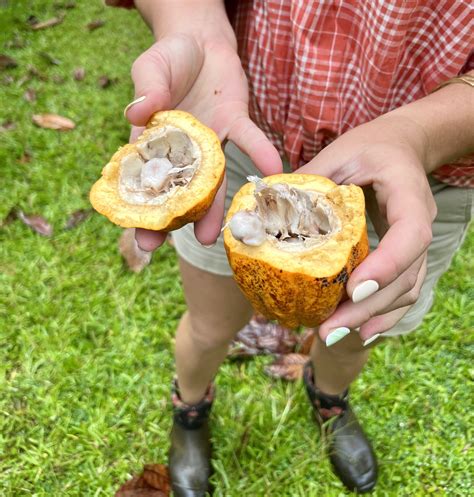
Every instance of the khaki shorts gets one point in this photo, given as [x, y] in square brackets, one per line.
[449, 228]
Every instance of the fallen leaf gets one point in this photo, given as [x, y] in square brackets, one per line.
[32, 20]
[8, 80]
[105, 81]
[77, 218]
[17, 42]
[35, 73]
[287, 367]
[7, 62]
[261, 336]
[53, 121]
[25, 157]
[305, 341]
[79, 73]
[49, 23]
[50, 59]
[153, 482]
[7, 126]
[36, 223]
[58, 79]
[30, 95]
[135, 258]
[156, 475]
[10, 217]
[93, 25]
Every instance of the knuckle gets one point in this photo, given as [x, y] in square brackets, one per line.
[413, 295]
[425, 235]
[410, 280]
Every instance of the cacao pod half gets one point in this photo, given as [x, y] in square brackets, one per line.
[166, 179]
[292, 241]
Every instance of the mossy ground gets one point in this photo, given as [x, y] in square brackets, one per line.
[86, 346]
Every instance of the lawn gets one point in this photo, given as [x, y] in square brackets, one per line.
[86, 345]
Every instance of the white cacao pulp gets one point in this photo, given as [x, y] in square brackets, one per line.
[167, 160]
[292, 218]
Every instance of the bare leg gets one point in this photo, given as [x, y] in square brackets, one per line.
[337, 366]
[217, 310]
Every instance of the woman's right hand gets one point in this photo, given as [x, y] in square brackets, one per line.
[200, 73]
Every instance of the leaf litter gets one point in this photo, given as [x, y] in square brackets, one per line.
[53, 121]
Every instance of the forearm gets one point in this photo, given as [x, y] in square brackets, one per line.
[187, 16]
[441, 125]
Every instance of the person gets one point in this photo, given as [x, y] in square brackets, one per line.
[379, 94]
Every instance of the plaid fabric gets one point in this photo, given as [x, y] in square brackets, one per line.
[318, 68]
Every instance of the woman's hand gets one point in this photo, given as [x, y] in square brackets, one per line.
[198, 70]
[386, 156]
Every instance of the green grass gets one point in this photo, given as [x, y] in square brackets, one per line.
[86, 346]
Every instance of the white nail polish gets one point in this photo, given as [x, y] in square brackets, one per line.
[131, 104]
[336, 335]
[364, 290]
[371, 339]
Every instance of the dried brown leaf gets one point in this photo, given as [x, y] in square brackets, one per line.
[49, 23]
[77, 218]
[58, 79]
[104, 81]
[50, 59]
[36, 223]
[287, 367]
[156, 475]
[8, 80]
[33, 72]
[17, 42]
[305, 341]
[261, 336]
[7, 62]
[7, 126]
[136, 258]
[53, 121]
[79, 73]
[96, 24]
[25, 157]
[152, 482]
[30, 95]
[10, 217]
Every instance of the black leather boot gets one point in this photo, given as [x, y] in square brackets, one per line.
[350, 452]
[190, 451]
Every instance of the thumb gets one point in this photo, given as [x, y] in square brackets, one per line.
[253, 142]
[162, 76]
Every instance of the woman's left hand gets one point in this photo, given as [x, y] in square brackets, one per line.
[387, 156]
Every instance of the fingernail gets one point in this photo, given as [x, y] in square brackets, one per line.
[364, 290]
[131, 104]
[209, 246]
[371, 339]
[336, 335]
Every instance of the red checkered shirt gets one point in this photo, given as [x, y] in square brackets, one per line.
[317, 68]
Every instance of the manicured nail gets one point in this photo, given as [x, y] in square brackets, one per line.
[364, 290]
[371, 339]
[131, 104]
[336, 335]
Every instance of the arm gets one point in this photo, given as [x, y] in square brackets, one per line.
[445, 122]
[392, 155]
[194, 66]
[202, 17]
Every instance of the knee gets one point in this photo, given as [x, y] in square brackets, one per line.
[209, 335]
